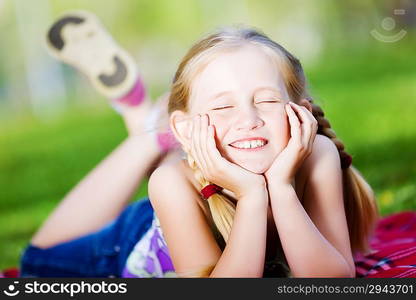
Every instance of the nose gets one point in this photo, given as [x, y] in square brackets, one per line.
[248, 119]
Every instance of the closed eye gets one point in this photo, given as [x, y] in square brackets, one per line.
[267, 101]
[222, 107]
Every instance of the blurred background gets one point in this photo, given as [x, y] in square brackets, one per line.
[359, 58]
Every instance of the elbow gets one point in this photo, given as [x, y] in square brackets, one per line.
[235, 272]
[344, 273]
[341, 271]
[351, 272]
[348, 270]
[235, 275]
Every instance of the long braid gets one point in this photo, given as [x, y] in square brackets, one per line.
[324, 128]
[222, 209]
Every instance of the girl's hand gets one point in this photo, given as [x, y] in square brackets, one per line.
[215, 168]
[303, 128]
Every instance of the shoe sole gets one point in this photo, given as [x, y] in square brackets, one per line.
[79, 39]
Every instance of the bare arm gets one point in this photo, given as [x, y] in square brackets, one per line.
[322, 226]
[244, 254]
[101, 195]
[191, 243]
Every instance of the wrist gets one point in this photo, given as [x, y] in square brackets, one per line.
[257, 196]
[255, 188]
[279, 182]
[254, 203]
[279, 188]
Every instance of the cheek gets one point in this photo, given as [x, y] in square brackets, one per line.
[280, 129]
[221, 125]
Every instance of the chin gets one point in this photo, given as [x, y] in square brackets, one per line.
[255, 166]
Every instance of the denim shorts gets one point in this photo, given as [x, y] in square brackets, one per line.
[100, 254]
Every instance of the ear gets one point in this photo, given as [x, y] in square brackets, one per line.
[181, 123]
[306, 103]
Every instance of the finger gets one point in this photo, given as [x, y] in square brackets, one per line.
[215, 157]
[192, 144]
[306, 124]
[209, 142]
[312, 126]
[213, 152]
[211, 148]
[195, 142]
[198, 146]
[295, 128]
[203, 141]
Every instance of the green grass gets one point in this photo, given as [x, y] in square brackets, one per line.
[40, 162]
[369, 102]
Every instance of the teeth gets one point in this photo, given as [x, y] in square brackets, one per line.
[249, 144]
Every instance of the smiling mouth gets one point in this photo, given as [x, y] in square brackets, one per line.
[249, 144]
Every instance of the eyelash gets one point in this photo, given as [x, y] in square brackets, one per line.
[230, 106]
[223, 107]
[267, 101]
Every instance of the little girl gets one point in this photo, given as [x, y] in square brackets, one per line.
[264, 189]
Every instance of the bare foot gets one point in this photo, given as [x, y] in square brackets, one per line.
[136, 117]
[150, 119]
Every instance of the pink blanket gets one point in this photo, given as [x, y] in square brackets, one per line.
[394, 249]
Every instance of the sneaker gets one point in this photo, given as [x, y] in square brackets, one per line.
[79, 39]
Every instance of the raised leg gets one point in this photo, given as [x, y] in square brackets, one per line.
[105, 191]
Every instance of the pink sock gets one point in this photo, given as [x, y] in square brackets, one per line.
[135, 96]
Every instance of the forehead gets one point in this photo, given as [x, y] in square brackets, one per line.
[238, 71]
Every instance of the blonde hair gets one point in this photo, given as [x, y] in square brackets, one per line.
[359, 202]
